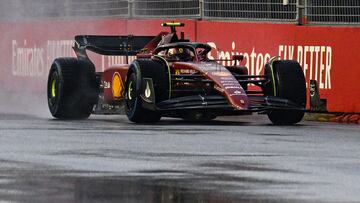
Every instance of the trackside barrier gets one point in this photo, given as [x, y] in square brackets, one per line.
[334, 12]
[332, 59]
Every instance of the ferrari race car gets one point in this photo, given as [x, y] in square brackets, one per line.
[170, 77]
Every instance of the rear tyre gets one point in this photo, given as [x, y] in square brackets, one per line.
[139, 69]
[72, 89]
[288, 82]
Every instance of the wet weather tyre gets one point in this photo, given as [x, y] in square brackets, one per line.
[72, 89]
[288, 82]
[138, 70]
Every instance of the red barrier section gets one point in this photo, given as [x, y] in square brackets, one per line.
[327, 54]
[28, 49]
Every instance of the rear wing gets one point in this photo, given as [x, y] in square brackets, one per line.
[111, 45]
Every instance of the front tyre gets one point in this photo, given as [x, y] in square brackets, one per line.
[72, 90]
[288, 82]
[138, 70]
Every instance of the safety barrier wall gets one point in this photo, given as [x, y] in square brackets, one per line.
[328, 54]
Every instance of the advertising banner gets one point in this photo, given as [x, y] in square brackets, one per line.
[328, 55]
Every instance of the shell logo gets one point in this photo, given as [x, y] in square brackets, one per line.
[117, 86]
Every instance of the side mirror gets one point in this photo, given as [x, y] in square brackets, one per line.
[237, 58]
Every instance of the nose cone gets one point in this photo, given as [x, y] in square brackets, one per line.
[234, 93]
[224, 82]
[228, 85]
[238, 100]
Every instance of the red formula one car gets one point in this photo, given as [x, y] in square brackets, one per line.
[171, 77]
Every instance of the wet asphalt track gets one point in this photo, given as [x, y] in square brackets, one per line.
[239, 159]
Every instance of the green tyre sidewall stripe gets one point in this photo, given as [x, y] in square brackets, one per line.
[53, 88]
[271, 63]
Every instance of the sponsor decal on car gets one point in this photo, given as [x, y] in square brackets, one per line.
[221, 73]
[117, 86]
[230, 82]
[216, 87]
[237, 93]
[226, 78]
[233, 87]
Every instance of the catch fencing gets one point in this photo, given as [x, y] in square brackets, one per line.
[166, 8]
[333, 11]
[300, 11]
[97, 8]
[268, 10]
